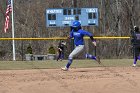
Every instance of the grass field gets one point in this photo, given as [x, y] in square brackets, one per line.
[52, 64]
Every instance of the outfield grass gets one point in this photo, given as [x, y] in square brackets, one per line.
[20, 65]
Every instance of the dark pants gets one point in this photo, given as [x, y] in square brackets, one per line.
[136, 53]
[60, 55]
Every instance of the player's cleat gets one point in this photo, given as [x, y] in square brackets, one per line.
[98, 59]
[134, 65]
[64, 69]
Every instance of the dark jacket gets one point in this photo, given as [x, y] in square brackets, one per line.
[61, 47]
[135, 38]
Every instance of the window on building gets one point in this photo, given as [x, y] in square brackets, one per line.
[65, 12]
[91, 15]
[51, 16]
[94, 15]
[79, 11]
[69, 11]
[74, 12]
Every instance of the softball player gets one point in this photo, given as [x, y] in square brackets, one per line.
[61, 51]
[136, 44]
[77, 33]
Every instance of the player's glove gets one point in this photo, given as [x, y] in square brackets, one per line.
[60, 49]
[94, 43]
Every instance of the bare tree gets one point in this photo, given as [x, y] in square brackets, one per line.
[116, 18]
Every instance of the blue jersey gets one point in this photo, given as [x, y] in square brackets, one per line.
[79, 36]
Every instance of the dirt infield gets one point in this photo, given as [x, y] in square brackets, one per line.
[77, 80]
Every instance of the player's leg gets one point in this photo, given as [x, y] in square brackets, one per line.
[59, 55]
[90, 56]
[62, 55]
[93, 57]
[74, 53]
[135, 61]
[136, 54]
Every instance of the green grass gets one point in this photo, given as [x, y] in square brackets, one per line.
[20, 65]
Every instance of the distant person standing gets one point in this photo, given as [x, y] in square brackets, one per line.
[78, 34]
[136, 44]
[61, 50]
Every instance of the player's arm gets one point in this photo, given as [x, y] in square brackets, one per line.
[133, 37]
[93, 40]
[70, 35]
[91, 37]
